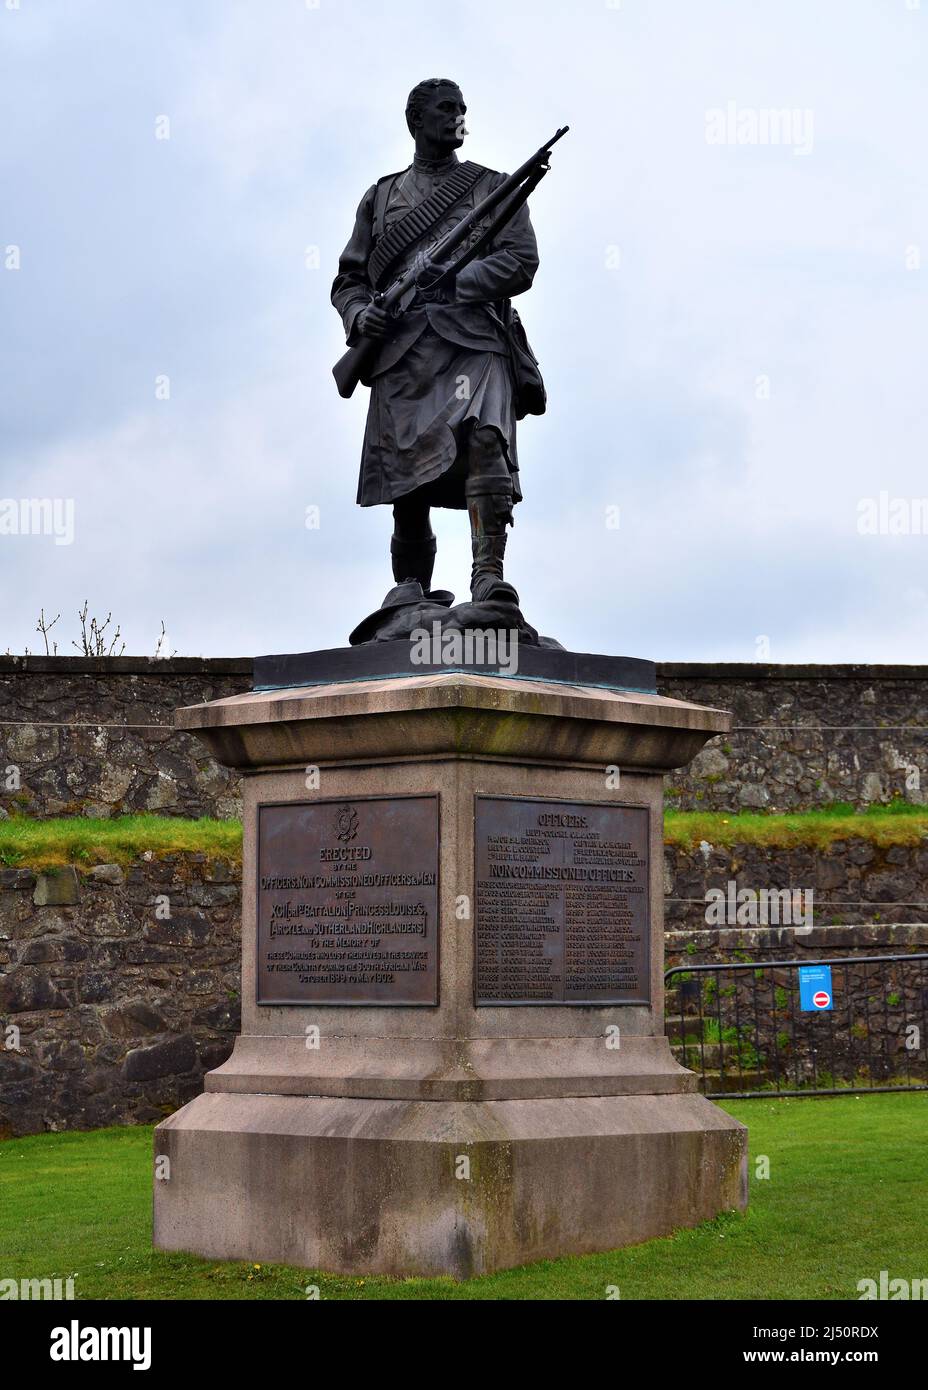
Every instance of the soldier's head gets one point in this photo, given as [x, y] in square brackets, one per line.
[435, 116]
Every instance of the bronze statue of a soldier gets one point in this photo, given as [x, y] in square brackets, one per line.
[444, 372]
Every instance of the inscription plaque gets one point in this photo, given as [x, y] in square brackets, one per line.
[562, 902]
[347, 902]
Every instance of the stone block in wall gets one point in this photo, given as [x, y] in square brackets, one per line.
[170, 1056]
[107, 873]
[56, 888]
[28, 989]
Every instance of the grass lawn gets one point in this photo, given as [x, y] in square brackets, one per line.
[846, 1198]
[82, 840]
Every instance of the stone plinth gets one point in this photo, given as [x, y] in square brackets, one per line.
[450, 1137]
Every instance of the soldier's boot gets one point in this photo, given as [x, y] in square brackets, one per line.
[412, 549]
[489, 514]
[488, 491]
[413, 560]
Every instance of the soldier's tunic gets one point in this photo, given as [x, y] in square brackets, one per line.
[445, 367]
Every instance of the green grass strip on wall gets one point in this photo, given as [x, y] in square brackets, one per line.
[897, 823]
[82, 840]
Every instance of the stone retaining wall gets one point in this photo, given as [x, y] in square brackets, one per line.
[94, 736]
[805, 736]
[123, 985]
[850, 881]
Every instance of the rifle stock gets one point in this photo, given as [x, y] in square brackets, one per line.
[350, 367]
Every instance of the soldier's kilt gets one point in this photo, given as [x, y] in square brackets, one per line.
[420, 412]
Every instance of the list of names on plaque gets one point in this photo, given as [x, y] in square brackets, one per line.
[562, 903]
[347, 902]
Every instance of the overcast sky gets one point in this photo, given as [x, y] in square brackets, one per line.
[730, 314]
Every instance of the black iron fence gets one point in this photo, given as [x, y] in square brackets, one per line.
[754, 1029]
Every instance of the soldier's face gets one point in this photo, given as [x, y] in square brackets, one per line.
[442, 117]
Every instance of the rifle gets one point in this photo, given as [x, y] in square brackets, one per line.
[512, 193]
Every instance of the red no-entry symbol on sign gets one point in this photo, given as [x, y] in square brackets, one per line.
[821, 999]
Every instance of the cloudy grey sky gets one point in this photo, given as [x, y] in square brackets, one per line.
[730, 315]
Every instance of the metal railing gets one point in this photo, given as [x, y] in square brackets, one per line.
[739, 1025]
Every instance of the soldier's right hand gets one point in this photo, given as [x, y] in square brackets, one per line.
[373, 322]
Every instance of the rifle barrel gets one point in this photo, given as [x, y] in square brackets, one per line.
[456, 235]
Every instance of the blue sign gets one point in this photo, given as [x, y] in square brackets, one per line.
[815, 988]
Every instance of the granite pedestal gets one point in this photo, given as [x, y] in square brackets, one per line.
[465, 1114]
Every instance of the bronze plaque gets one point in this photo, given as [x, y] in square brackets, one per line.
[562, 902]
[348, 901]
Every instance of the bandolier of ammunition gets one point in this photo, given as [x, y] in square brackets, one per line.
[416, 224]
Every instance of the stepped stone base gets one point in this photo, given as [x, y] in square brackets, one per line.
[481, 1126]
[440, 1187]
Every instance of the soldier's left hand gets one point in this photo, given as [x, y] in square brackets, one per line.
[427, 274]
